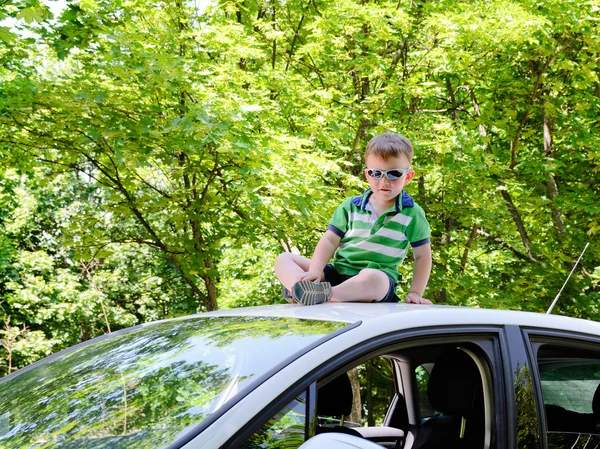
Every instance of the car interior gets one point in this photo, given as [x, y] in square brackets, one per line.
[570, 380]
[335, 399]
[431, 393]
[431, 397]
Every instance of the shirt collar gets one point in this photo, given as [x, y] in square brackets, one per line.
[403, 200]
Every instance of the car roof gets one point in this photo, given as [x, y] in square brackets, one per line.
[405, 316]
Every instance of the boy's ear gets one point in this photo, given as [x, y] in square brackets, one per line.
[409, 176]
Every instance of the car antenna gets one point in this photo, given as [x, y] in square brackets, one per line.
[568, 277]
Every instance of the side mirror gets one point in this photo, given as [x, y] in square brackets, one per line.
[334, 440]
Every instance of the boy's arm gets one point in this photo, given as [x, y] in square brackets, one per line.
[421, 272]
[323, 252]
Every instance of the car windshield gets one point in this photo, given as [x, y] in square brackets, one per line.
[147, 387]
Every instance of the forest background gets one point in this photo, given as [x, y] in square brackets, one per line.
[156, 156]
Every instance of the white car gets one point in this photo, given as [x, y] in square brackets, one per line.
[328, 376]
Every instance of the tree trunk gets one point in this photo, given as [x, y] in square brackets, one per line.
[211, 289]
[370, 417]
[211, 297]
[356, 415]
[553, 193]
[514, 212]
[465, 256]
[551, 186]
[453, 101]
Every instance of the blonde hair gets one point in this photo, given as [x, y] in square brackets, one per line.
[389, 145]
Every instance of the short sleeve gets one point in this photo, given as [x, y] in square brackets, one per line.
[418, 231]
[339, 221]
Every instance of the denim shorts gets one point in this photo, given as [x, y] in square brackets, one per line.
[334, 278]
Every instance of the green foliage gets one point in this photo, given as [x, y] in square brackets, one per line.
[248, 279]
[170, 153]
[52, 298]
[377, 390]
[528, 432]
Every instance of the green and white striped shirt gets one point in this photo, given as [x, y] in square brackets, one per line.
[375, 242]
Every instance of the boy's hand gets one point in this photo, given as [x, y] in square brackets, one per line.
[415, 298]
[312, 275]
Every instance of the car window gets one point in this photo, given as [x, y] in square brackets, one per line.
[422, 379]
[570, 386]
[373, 388]
[287, 429]
[375, 381]
[453, 396]
[377, 398]
[383, 398]
[150, 386]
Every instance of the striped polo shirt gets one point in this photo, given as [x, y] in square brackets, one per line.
[380, 242]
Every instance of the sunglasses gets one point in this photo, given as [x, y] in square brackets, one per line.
[392, 175]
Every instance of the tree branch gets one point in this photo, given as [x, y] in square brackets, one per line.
[505, 194]
[505, 245]
[516, 140]
[465, 256]
[296, 32]
[518, 222]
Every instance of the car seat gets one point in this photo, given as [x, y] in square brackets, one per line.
[335, 399]
[455, 390]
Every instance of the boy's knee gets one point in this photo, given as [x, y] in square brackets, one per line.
[281, 258]
[373, 274]
[284, 258]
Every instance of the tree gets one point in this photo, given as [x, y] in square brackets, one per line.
[171, 131]
[210, 140]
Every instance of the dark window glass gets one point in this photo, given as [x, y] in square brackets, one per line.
[572, 387]
[147, 387]
[528, 432]
[371, 390]
[287, 429]
[422, 378]
[570, 381]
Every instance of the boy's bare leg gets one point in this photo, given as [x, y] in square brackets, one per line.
[367, 286]
[289, 267]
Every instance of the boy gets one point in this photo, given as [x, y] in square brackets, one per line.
[368, 238]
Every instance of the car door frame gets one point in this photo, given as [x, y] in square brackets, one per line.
[557, 337]
[385, 343]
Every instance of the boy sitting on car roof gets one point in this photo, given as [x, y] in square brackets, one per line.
[368, 237]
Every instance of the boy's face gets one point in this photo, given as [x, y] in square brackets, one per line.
[385, 190]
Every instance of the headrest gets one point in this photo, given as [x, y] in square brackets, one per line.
[335, 398]
[454, 383]
[596, 403]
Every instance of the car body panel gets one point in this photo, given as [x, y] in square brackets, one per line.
[377, 320]
[394, 316]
